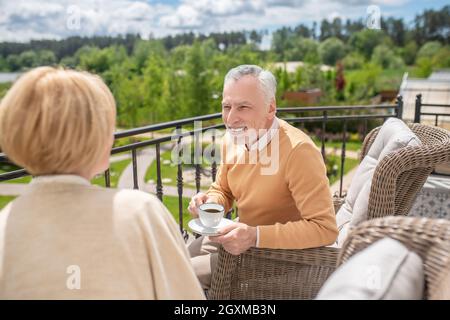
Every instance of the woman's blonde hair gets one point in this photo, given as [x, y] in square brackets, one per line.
[55, 121]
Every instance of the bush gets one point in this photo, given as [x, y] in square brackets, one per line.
[385, 57]
[331, 50]
[353, 60]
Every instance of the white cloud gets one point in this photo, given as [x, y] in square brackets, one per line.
[35, 19]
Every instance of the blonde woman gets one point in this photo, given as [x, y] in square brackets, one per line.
[67, 239]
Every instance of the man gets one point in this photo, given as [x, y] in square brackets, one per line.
[286, 207]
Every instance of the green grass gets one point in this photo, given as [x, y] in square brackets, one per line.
[4, 200]
[9, 168]
[168, 171]
[171, 203]
[348, 165]
[115, 170]
[349, 145]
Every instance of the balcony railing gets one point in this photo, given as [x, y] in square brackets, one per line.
[418, 113]
[322, 116]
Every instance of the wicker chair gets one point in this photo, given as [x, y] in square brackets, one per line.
[429, 238]
[299, 274]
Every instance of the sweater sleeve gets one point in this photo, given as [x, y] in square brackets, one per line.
[305, 175]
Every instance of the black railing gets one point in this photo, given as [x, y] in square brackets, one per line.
[323, 115]
[418, 112]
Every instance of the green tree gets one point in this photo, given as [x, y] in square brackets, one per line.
[155, 90]
[28, 59]
[366, 40]
[331, 50]
[429, 49]
[46, 58]
[409, 52]
[199, 95]
[386, 58]
[353, 60]
[13, 62]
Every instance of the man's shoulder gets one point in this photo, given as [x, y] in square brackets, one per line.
[291, 137]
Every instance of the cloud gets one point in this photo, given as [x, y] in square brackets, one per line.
[22, 20]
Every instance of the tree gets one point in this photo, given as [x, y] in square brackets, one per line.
[366, 40]
[155, 89]
[3, 64]
[353, 60]
[331, 50]
[197, 74]
[303, 49]
[28, 59]
[409, 52]
[385, 57]
[13, 62]
[46, 58]
[429, 49]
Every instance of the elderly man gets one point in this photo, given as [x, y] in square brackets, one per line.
[286, 207]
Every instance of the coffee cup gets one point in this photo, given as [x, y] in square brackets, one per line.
[210, 214]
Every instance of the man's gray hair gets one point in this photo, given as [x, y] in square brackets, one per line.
[266, 78]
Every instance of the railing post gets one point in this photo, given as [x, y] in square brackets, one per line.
[135, 175]
[399, 106]
[418, 108]
[322, 138]
[107, 179]
[159, 185]
[213, 155]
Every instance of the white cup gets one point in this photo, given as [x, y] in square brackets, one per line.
[210, 214]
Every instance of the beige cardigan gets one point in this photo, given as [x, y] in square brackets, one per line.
[67, 239]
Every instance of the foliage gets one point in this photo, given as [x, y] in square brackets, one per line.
[331, 50]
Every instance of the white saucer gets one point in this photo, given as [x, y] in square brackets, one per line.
[196, 226]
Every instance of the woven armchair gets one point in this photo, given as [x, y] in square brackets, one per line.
[428, 238]
[299, 274]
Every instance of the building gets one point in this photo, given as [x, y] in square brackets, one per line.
[434, 90]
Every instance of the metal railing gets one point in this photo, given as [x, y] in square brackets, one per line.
[322, 115]
[418, 112]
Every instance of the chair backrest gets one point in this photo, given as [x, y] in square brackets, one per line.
[429, 238]
[401, 174]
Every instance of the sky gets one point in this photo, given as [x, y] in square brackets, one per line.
[22, 20]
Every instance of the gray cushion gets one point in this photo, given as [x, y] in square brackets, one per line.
[385, 270]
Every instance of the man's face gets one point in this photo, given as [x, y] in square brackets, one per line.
[244, 108]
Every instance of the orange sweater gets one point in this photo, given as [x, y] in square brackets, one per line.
[292, 207]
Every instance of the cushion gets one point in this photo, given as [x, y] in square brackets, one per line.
[393, 135]
[385, 270]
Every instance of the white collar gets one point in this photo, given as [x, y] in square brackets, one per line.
[264, 140]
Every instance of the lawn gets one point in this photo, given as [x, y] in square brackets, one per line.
[349, 164]
[352, 145]
[171, 202]
[115, 170]
[169, 171]
[4, 200]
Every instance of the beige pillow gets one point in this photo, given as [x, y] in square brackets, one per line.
[386, 270]
[393, 135]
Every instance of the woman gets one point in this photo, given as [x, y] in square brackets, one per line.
[67, 239]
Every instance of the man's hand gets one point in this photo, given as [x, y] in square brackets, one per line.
[197, 200]
[236, 238]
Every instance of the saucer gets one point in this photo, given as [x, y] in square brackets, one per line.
[197, 226]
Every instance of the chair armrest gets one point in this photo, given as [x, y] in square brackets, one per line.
[272, 273]
[337, 202]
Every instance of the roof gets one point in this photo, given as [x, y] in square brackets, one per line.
[435, 90]
[292, 66]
